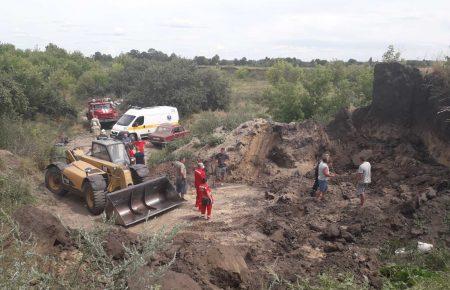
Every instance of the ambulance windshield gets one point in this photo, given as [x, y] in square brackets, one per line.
[125, 120]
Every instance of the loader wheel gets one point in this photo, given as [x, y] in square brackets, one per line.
[53, 181]
[95, 200]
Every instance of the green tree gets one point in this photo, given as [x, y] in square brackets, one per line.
[216, 89]
[391, 55]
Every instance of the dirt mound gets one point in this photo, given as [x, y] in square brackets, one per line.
[43, 227]
[116, 240]
[410, 178]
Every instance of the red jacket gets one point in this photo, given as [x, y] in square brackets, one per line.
[140, 145]
[206, 190]
[199, 175]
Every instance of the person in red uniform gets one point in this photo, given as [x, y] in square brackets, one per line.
[207, 200]
[199, 175]
[140, 157]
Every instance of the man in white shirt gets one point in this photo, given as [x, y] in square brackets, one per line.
[364, 179]
[324, 174]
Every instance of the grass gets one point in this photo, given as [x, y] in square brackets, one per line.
[414, 269]
[14, 192]
[323, 282]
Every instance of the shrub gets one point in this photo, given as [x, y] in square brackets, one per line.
[28, 138]
[14, 192]
[242, 73]
[164, 155]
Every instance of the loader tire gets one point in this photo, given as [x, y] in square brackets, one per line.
[95, 200]
[53, 181]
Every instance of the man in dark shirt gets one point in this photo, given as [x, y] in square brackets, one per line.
[222, 157]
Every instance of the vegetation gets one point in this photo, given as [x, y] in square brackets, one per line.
[391, 55]
[23, 267]
[413, 269]
[297, 93]
[323, 282]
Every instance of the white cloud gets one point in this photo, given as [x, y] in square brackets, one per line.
[233, 29]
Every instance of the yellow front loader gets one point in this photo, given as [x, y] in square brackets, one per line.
[107, 179]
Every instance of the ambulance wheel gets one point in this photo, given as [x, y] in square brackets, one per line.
[95, 200]
[53, 181]
[133, 137]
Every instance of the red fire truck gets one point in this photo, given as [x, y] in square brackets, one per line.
[103, 109]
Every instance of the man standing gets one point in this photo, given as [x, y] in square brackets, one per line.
[364, 179]
[180, 175]
[222, 158]
[199, 176]
[316, 176]
[324, 175]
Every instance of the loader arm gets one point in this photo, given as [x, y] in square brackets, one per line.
[119, 176]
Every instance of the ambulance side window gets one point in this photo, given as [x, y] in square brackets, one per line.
[139, 121]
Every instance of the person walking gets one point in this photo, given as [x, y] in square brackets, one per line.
[323, 176]
[222, 158]
[199, 176]
[207, 200]
[364, 179]
[180, 177]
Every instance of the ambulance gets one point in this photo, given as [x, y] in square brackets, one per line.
[140, 122]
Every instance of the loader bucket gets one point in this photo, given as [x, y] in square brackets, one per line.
[142, 201]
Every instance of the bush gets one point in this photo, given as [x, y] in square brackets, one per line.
[14, 192]
[242, 73]
[164, 155]
[28, 139]
[181, 84]
[302, 93]
[22, 267]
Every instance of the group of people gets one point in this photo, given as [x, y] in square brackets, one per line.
[323, 174]
[204, 198]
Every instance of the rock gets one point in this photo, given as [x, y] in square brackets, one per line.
[316, 227]
[269, 227]
[333, 247]
[284, 199]
[416, 232]
[331, 232]
[408, 208]
[421, 198]
[355, 229]
[269, 195]
[403, 188]
[431, 193]
[227, 267]
[348, 237]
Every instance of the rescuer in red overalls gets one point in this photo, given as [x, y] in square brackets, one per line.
[140, 156]
[207, 199]
[199, 175]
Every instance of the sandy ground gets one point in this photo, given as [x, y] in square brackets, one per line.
[233, 203]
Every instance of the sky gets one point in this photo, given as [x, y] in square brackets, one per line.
[254, 29]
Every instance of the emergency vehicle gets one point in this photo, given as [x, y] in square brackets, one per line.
[103, 110]
[140, 122]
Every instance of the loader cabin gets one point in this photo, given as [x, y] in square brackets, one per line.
[110, 150]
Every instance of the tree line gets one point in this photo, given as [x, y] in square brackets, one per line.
[55, 82]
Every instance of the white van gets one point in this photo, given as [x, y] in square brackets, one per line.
[139, 122]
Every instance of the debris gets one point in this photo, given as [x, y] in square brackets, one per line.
[424, 247]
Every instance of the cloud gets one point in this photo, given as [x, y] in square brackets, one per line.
[118, 31]
[181, 23]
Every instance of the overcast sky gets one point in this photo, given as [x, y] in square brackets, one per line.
[232, 29]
